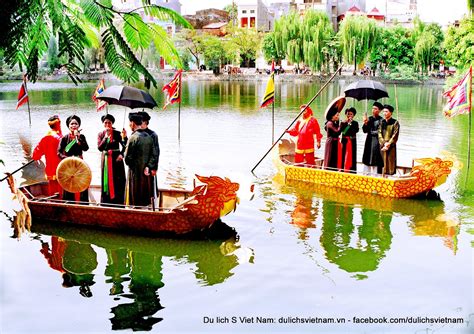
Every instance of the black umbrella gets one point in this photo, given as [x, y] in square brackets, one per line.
[127, 96]
[366, 90]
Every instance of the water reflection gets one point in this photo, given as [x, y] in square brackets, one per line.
[134, 268]
[355, 228]
[74, 260]
[355, 249]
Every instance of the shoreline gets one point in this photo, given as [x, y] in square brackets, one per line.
[209, 76]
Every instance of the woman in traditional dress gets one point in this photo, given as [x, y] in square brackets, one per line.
[73, 145]
[333, 149]
[112, 145]
[349, 129]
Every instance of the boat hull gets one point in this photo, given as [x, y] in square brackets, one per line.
[414, 181]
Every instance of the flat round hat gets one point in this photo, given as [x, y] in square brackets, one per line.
[74, 175]
[334, 107]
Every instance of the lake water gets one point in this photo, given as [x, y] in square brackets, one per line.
[295, 253]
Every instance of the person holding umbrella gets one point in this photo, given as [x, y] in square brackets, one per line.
[388, 137]
[371, 158]
[333, 149]
[112, 145]
[141, 159]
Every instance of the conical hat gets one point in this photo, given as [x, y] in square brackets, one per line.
[334, 107]
[74, 175]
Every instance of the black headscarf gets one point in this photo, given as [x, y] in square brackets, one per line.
[70, 118]
[109, 117]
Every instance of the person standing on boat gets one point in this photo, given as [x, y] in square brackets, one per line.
[141, 159]
[48, 146]
[112, 145]
[156, 145]
[349, 129]
[388, 137]
[307, 130]
[73, 144]
[371, 158]
[333, 149]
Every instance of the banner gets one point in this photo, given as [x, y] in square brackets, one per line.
[459, 97]
[100, 104]
[269, 96]
[22, 94]
[173, 90]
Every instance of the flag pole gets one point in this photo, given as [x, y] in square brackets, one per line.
[273, 121]
[302, 111]
[179, 108]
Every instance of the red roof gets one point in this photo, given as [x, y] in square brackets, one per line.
[354, 9]
[375, 13]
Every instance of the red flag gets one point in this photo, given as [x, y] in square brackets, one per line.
[22, 95]
[173, 90]
[100, 104]
[459, 97]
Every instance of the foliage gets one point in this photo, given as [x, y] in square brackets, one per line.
[190, 42]
[232, 9]
[245, 42]
[459, 44]
[427, 40]
[214, 53]
[288, 37]
[76, 24]
[269, 48]
[317, 34]
[358, 35]
[53, 59]
[403, 72]
[394, 48]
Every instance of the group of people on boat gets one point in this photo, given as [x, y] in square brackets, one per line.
[380, 150]
[140, 153]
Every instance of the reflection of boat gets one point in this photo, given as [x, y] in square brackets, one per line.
[215, 255]
[134, 265]
[408, 181]
[179, 211]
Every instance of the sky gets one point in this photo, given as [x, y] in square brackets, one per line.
[443, 12]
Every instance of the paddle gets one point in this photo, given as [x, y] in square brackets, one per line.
[302, 111]
[16, 170]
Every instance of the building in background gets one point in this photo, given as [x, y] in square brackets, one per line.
[254, 14]
[207, 16]
[401, 12]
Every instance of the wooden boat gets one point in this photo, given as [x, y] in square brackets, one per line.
[178, 211]
[407, 182]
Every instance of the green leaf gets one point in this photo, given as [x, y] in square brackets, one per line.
[136, 31]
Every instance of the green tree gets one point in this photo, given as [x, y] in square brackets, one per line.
[76, 23]
[288, 37]
[459, 44]
[317, 34]
[192, 43]
[357, 35]
[394, 48]
[245, 42]
[53, 59]
[214, 53]
[427, 40]
[269, 48]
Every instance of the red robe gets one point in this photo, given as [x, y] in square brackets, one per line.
[48, 146]
[305, 130]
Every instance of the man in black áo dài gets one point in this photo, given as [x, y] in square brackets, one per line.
[372, 159]
[141, 158]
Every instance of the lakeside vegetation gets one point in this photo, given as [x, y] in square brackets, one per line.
[96, 36]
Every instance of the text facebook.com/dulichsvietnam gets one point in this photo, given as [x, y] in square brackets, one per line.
[330, 320]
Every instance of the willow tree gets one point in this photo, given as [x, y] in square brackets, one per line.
[77, 24]
[317, 33]
[288, 37]
[357, 36]
[459, 44]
